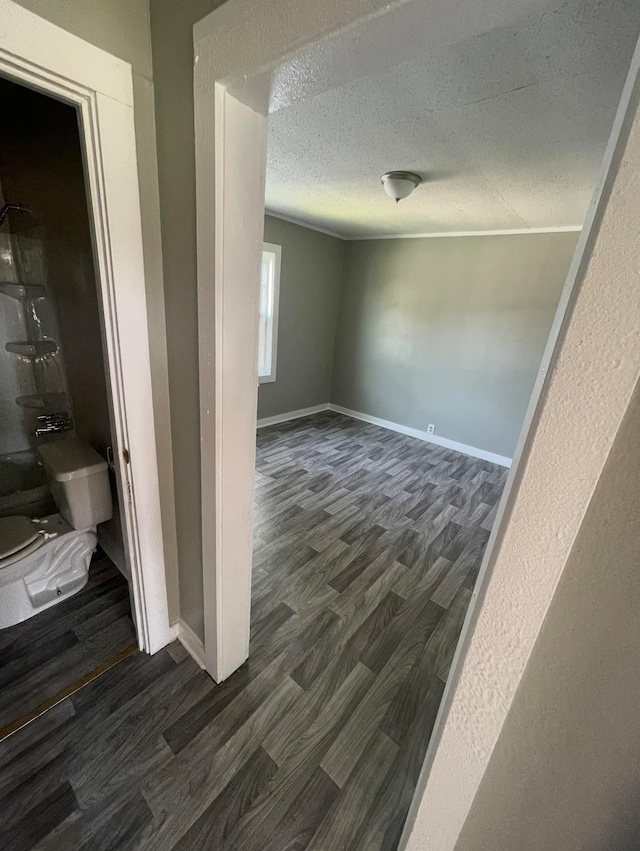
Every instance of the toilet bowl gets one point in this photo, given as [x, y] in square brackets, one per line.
[44, 561]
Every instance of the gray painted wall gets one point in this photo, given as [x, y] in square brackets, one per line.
[448, 331]
[167, 183]
[172, 43]
[121, 27]
[565, 773]
[310, 280]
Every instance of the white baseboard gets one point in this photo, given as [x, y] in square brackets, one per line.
[422, 435]
[292, 415]
[190, 641]
[473, 451]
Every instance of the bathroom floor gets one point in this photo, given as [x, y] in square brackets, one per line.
[43, 657]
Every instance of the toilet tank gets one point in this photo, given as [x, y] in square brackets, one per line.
[79, 480]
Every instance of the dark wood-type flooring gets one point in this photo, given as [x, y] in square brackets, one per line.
[367, 547]
[51, 651]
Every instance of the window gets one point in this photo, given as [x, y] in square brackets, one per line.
[269, 299]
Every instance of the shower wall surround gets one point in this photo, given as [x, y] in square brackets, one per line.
[51, 354]
[32, 374]
[48, 248]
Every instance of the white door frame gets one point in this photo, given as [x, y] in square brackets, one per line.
[46, 58]
[588, 374]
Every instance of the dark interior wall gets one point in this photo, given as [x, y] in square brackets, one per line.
[41, 166]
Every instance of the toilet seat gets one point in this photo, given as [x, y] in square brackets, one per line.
[19, 536]
[51, 567]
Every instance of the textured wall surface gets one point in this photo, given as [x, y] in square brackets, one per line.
[310, 280]
[121, 27]
[565, 772]
[448, 331]
[586, 397]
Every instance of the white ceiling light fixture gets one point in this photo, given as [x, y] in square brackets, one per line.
[400, 184]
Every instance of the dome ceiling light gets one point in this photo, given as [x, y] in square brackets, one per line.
[400, 184]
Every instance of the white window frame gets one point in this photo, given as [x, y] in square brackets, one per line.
[274, 251]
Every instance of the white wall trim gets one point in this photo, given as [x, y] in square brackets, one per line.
[275, 250]
[457, 233]
[473, 451]
[32, 39]
[38, 54]
[293, 415]
[190, 641]
[302, 224]
[229, 259]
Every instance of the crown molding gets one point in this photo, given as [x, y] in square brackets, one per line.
[513, 232]
[446, 234]
[302, 224]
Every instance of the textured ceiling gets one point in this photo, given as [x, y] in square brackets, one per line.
[508, 127]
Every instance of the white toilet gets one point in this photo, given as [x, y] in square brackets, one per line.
[45, 561]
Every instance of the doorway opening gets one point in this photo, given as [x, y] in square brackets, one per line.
[75, 353]
[65, 608]
[317, 540]
[409, 339]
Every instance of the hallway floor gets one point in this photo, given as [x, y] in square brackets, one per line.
[366, 550]
[55, 649]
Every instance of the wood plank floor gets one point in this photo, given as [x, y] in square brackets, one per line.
[366, 550]
[49, 652]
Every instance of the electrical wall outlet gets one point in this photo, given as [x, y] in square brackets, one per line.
[431, 428]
